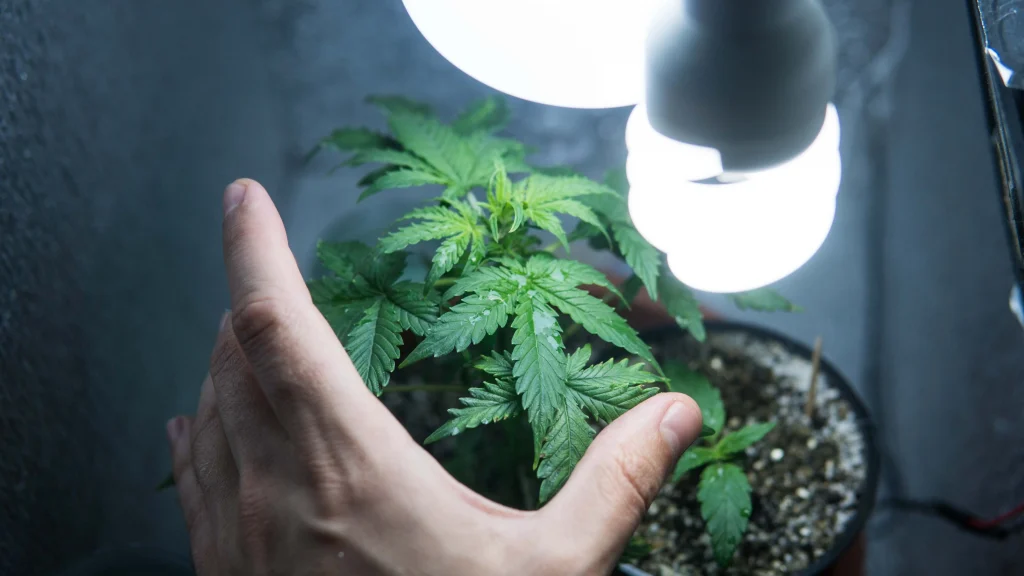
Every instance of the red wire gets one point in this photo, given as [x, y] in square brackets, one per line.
[979, 523]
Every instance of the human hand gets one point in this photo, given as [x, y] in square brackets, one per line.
[291, 466]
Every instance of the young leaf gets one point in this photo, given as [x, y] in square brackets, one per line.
[495, 402]
[568, 440]
[606, 390]
[467, 323]
[725, 505]
[343, 258]
[741, 439]
[698, 387]
[497, 365]
[343, 303]
[352, 139]
[558, 269]
[446, 151]
[483, 281]
[595, 316]
[373, 345]
[764, 300]
[399, 104]
[539, 364]
[414, 311]
[457, 228]
[692, 459]
[488, 115]
[644, 259]
[681, 304]
[401, 179]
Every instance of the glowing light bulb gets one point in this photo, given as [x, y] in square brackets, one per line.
[742, 232]
[572, 53]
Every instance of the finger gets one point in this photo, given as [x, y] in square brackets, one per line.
[250, 426]
[623, 470]
[214, 465]
[190, 496]
[307, 377]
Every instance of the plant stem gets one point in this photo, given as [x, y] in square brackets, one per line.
[426, 388]
[552, 248]
[812, 393]
[445, 282]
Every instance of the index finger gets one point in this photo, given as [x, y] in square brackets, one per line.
[307, 377]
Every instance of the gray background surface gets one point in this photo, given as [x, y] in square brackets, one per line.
[122, 120]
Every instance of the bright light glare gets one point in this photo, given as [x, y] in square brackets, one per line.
[572, 53]
[738, 236]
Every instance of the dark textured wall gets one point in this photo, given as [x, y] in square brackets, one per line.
[120, 123]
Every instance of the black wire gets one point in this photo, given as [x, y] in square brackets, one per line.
[958, 517]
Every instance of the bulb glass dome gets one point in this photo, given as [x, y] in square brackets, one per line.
[740, 235]
[571, 53]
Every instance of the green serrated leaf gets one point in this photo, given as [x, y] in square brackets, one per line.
[682, 305]
[495, 402]
[607, 390]
[342, 258]
[447, 152]
[549, 222]
[488, 115]
[435, 223]
[373, 345]
[539, 364]
[389, 156]
[692, 459]
[593, 315]
[342, 302]
[486, 280]
[725, 505]
[764, 300]
[497, 364]
[564, 447]
[579, 273]
[742, 439]
[414, 311]
[697, 386]
[644, 259]
[467, 323]
[352, 139]
[396, 179]
[399, 104]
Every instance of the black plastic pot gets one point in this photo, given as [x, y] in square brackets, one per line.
[830, 562]
[133, 562]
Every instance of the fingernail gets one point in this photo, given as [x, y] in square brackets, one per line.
[174, 427]
[675, 426]
[233, 196]
[224, 320]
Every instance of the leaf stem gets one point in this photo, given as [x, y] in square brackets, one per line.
[551, 248]
[445, 282]
[426, 388]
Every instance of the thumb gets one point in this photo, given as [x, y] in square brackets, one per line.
[623, 470]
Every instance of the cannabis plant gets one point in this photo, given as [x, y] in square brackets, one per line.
[496, 296]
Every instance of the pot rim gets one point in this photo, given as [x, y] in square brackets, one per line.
[869, 491]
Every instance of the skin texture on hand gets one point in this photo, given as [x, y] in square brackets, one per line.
[292, 466]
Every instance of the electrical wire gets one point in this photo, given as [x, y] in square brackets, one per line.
[999, 528]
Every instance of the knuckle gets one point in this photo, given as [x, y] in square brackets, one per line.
[258, 320]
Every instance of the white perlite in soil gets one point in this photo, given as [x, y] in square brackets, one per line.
[806, 475]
